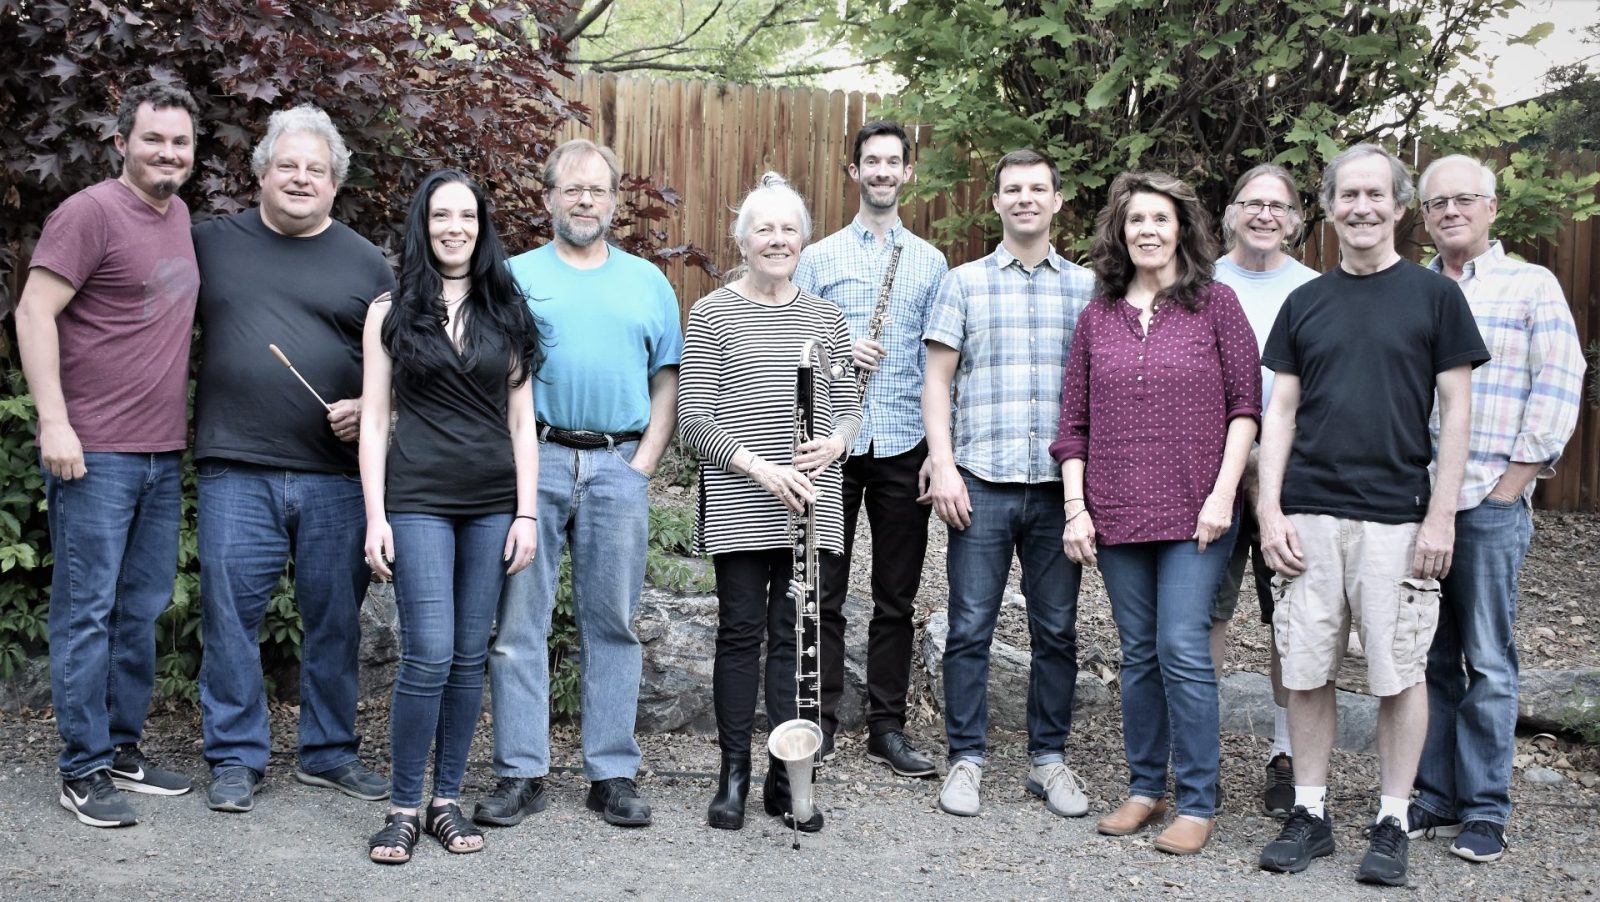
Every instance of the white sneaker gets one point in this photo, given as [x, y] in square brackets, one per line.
[960, 793]
[1061, 789]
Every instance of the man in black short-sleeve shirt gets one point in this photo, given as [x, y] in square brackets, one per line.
[277, 470]
[1348, 519]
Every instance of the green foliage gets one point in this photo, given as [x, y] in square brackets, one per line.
[1575, 102]
[24, 535]
[1201, 88]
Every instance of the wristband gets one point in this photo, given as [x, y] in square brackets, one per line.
[525, 517]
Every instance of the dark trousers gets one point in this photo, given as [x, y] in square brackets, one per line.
[752, 604]
[888, 485]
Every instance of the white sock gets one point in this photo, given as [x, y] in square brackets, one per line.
[1280, 733]
[1395, 807]
[1311, 798]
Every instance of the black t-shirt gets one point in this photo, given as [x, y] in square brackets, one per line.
[309, 297]
[451, 450]
[1367, 350]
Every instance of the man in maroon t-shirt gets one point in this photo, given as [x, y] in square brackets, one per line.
[104, 327]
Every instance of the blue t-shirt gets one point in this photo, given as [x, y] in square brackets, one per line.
[1262, 294]
[607, 331]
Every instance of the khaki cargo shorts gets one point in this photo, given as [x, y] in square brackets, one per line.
[1358, 573]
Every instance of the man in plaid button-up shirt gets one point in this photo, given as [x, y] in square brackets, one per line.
[997, 346]
[1524, 407]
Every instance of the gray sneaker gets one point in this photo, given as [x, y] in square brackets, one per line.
[353, 779]
[233, 789]
[1061, 789]
[960, 793]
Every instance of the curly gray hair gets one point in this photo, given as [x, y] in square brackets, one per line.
[303, 119]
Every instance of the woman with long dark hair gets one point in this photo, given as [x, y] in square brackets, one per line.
[451, 494]
[1159, 404]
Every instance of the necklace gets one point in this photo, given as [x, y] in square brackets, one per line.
[455, 278]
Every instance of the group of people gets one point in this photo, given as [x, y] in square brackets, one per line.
[1173, 414]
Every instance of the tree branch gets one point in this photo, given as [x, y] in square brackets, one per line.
[571, 32]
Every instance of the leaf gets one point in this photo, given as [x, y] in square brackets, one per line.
[61, 68]
[1534, 35]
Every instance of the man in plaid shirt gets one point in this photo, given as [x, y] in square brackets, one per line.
[1524, 407]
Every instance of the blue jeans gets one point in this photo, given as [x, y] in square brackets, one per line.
[1161, 598]
[114, 533]
[252, 519]
[448, 573]
[1472, 668]
[1027, 520]
[593, 503]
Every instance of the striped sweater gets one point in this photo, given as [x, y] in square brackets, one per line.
[736, 387]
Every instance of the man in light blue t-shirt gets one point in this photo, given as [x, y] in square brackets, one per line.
[606, 403]
[1261, 221]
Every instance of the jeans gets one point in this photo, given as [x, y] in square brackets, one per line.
[1027, 519]
[594, 503]
[1472, 668]
[252, 519]
[114, 533]
[1161, 597]
[447, 578]
[899, 543]
[752, 605]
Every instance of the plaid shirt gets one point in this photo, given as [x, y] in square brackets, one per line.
[1525, 399]
[1013, 329]
[847, 268]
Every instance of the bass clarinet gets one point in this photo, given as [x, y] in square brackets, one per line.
[880, 317]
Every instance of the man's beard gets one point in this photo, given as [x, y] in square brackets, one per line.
[569, 231]
[161, 188]
[866, 197]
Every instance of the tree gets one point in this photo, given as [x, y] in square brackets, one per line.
[1574, 99]
[1201, 88]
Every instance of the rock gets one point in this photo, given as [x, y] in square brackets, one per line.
[380, 641]
[1558, 700]
[1246, 706]
[1008, 677]
[1543, 776]
[27, 687]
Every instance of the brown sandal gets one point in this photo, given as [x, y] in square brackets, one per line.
[399, 832]
[447, 824]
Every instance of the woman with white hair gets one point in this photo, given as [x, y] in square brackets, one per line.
[736, 409]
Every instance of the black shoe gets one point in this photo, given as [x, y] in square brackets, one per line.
[1385, 861]
[893, 749]
[726, 811]
[353, 779]
[1480, 841]
[776, 802]
[1277, 799]
[618, 799]
[511, 800]
[1427, 825]
[233, 789]
[95, 801]
[827, 752]
[1304, 836]
[132, 771]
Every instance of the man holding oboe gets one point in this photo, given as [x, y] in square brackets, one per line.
[277, 467]
[884, 279]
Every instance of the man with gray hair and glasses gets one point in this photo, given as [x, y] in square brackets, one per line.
[277, 473]
[1347, 515]
[606, 405]
[1524, 408]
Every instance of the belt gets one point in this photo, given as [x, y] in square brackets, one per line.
[583, 439]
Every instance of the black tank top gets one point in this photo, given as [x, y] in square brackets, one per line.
[450, 454]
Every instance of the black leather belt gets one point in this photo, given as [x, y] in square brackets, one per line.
[583, 439]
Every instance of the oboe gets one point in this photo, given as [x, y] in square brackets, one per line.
[880, 317]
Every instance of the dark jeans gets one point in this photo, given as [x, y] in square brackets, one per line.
[252, 519]
[1027, 520]
[888, 485]
[114, 534]
[1246, 553]
[447, 577]
[752, 604]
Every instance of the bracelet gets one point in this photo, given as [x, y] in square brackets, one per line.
[1069, 501]
[525, 517]
[1077, 515]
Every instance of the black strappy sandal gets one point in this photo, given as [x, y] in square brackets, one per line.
[399, 832]
[447, 824]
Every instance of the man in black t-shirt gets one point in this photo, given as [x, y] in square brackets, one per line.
[277, 469]
[1348, 519]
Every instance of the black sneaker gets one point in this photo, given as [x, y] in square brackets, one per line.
[132, 771]
[512, 799]
[1277, 799]
[1385, 861]
[95, 801]
[354, 780]
[1480, 841]
[1304, 836]
[1427, 825]
[827, 753]
[233, 789]
[901, 756]
[618, 799]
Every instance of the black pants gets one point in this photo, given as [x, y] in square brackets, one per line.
[888, 485]
[752, 604]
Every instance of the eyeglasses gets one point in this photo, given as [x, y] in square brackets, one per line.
[1254, 208]
[1465, 203]
[573, 192]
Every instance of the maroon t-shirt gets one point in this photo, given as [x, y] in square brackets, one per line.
[125, 334]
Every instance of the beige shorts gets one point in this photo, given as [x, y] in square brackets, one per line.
[1358, 573]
